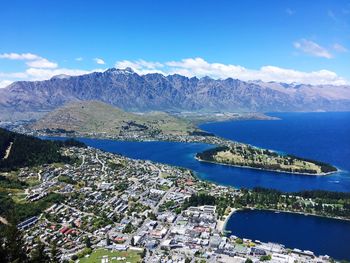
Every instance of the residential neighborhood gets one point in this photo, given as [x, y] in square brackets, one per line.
[113, 203]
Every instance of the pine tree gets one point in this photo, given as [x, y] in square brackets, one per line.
[108, 241]
[2, 244]
[88, 242]
[14, 244]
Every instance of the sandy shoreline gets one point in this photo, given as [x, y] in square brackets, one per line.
[221, 225]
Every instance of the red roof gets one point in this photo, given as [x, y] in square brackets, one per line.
[64, 230]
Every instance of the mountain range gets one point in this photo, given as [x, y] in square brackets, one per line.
[130, 91]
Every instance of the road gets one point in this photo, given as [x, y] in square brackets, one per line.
[103, 165]
[8, 150]
[155, 209]
[82, 163]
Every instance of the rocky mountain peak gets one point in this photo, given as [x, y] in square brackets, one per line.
[130, 91]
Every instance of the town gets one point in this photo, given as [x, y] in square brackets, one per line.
[116, 209]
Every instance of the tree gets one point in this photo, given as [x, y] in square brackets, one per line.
[239, 241]
[108, 241]
[144, 253]
[152, 216]
[128, 228]
[248, 260]
[39, 255]
[14, 245]
[54, 253]
[2, 242]
[265, 258]
[88, 242]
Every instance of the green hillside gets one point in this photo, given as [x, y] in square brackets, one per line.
[18, 150]
[98, 117]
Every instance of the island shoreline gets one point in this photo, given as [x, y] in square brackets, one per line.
[196, 157]
[269, 170]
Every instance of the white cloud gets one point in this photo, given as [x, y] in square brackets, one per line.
[4, 83]
[42, 74]
[312, 48]
[39, 68]
[16, 56]
[141, 66]
[33, 60]
[340, 48]
[198, 67]
[13, 75]
[99, 61]
[42, 63]
[79, 59]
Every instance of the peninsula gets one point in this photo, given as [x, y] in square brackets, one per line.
[79, 201]
[95, 119]
[252, 157]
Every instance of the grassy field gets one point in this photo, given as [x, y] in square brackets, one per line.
[263, 159]
[96, 256]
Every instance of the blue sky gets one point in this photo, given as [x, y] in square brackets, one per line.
[302, 41]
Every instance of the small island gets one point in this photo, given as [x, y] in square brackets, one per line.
[253, 157]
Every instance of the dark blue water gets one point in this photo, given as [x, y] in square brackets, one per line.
[182, 154]
[320, 235]
[320, 136]
[323, 136]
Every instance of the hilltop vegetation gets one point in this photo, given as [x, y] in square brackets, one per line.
[18, 150]
[93, 117]
[26, 209]
[248, 156]
[317, 202]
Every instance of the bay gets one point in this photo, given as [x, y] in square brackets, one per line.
[319, 136]
[323, 236]
[182, 154]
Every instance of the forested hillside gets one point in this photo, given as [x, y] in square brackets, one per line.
[18, 150]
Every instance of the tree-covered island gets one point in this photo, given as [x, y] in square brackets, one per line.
[244, 155]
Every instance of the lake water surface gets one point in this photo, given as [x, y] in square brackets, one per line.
[320, 235]
[320, 136]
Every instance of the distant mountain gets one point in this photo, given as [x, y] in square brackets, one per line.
[98, 117]
[132, 92]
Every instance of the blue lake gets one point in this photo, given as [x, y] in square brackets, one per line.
[320, 136]
[182, 154]
[320, 235]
